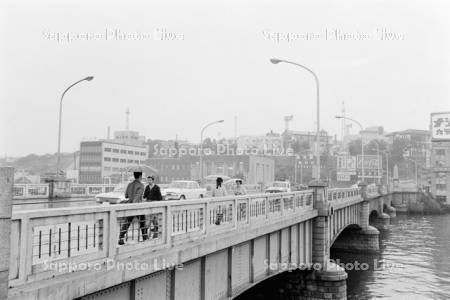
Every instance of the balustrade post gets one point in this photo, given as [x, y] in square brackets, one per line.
[235, 213]
[168, 226]
[113, 231]
[205, 218]
[321, 247]
[6, 194]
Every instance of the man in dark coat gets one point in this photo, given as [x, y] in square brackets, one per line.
[153, 193]
[133, 193]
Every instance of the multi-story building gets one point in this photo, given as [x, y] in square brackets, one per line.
[306, 140]
[129, 137]
[106, 161]
[440, 156]
[261, 144]
[417, 151]
[252, 168]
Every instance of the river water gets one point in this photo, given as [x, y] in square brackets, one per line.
[414, 261]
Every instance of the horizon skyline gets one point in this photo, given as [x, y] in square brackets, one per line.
[334, 138]
[177, 73]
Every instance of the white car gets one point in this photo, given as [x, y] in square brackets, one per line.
[115, 197]
[183, 189]
[279, 187]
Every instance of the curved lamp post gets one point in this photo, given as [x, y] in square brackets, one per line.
[317, 150]
[362, 144]
[201, 148]
[89, 78]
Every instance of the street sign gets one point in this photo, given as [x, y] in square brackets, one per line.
[346, 164]
[440, 126]
[341, 176]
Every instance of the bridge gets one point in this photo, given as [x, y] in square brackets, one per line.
[209, 248]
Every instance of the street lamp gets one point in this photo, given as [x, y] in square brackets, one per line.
[362, 144]
[317, 150]
[201, 148]
[89, 78]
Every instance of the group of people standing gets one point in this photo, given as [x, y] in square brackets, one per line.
[220, 191]
[136, 192]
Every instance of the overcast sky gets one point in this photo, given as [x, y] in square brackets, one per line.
[217, 67]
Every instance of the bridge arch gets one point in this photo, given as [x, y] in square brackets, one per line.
[374, 214]
[342, 234]
[276, 284]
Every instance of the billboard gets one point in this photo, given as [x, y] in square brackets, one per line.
[440, 126]
[346, 167]
[346, 164]
[372, 163]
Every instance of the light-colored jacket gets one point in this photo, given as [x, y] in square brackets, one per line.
[240, 190]
[219, 192]
[135, 191]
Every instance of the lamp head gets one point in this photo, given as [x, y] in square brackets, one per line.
[89, 78]
[338, 117]
[275, 60]
[220, 121]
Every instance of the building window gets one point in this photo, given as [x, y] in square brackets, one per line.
[130, 161]
[123, 160]
[115, 150]
[441, 186]
[107, 149]
[142, 153]
[115, 160]
[440, 152]
[136, 162]
[130, 152]
[123, 151]
[107, 158]
[136, 152]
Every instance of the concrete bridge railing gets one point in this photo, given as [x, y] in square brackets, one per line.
[70, 236]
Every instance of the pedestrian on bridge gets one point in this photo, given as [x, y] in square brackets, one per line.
[219, 191]
[153, 193]
[239, 189]
[134, 193]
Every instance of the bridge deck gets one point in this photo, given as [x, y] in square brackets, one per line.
[76, 247]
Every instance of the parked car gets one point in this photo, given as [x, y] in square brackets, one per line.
[183, 189]
[279, 187]
[115, 197]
